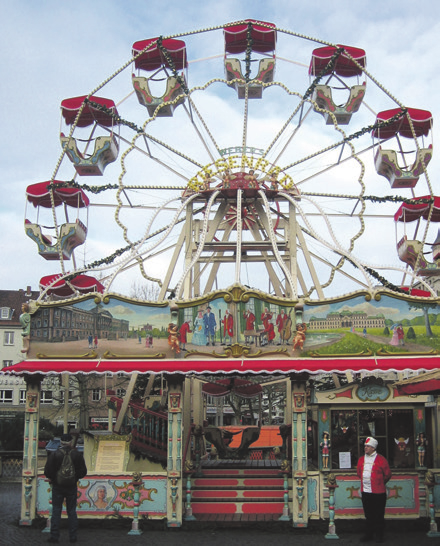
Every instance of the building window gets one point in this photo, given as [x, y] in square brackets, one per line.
[5, 397]
[7, 363]
[96, 395]
[120, 392]
[393, 429]
[46, 397]
[22, 396]
[62, 393]
[5, 313]
[8, 338]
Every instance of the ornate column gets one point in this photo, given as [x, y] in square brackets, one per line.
[332, 485]
[430, 483]
[30, 449]
[299, 451]
[137, 482]
[175, 451]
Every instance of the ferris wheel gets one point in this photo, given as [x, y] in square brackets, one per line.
[240, 154]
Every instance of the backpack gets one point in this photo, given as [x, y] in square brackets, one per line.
[66, 472]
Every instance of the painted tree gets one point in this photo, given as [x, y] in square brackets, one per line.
[425, 307]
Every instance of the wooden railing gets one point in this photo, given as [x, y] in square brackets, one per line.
[149, 429]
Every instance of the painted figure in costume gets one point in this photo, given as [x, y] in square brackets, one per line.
[266, 317]
[25, 321]
[100, 501]
[185, 329]
[199, 337]
[400, 335]
[374, 472]
[300, 336]
[227, 179]
[421, 444]
[249, 323]
[173, 338]
[281, 323]
[210, 326]
[269, 330]
[395, 338]
[228, 327]
[325, 448]
[251, 179]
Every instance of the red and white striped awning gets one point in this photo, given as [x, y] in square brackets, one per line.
[371, 364]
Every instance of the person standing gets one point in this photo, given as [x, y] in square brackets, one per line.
[61, 492]
[374, 472]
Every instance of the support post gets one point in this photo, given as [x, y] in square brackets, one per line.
[32, 414]
[137, 482]
[430, 484]
[175, 467]
[331, 484]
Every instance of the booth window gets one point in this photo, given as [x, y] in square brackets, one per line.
[393, 428]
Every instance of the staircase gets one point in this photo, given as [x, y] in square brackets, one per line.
[240, 491]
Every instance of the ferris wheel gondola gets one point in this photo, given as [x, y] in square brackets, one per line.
[258, 40]
[99, 146]
[156, 60]
[412, 250]
[408, 151]
[339, 64]
[56, 239]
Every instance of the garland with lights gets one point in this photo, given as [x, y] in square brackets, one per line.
[171, 64]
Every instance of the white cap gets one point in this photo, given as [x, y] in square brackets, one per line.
[370, 441]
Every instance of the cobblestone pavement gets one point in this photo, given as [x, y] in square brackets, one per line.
[155, 533]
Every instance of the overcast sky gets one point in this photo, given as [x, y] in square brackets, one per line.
[51, 50]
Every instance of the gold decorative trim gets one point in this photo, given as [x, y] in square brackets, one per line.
[92, 356]
[110, 356]
[236, 350]
[385, 352]
[368, 352]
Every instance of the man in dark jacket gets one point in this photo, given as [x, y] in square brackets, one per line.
[61, 492]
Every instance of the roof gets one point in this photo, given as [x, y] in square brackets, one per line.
[424, 383]
[14, 299]
[230, 366]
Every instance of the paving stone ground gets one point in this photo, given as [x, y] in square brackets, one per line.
[109, 533]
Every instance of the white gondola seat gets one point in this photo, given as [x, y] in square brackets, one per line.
[173, 91]
[105, 152]
[266, 70]
[71, 235]
[322, 95]
[387, 166]
[408, 251]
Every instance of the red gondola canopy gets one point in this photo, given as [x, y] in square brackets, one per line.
[39, 195]
[263, 37]
[344, 65]
[409, 212]
[154, 58]
[421, 121]
[80, 283]
[89, 115]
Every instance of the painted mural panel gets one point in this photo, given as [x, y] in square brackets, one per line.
[108, 495]
[402, 496]
[221, 322]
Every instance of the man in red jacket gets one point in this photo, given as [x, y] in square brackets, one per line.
[374, 472]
